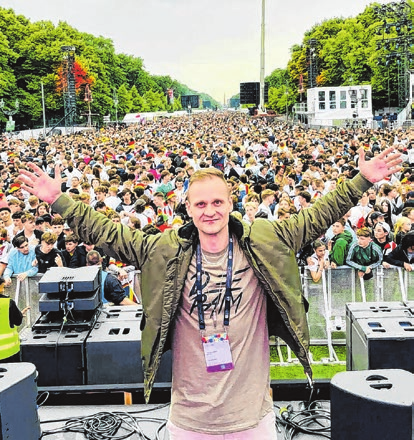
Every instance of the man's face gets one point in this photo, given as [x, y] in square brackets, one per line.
[372, 195]
[46, 247]
[70, 246]
[100, 196]
[75, 182]
[18, 194]
[364, 241]
[251, 211]
[24, 248]
[30, 225]
[209, 205]
[18, 223]
[57, 229]
[379, 233]
[158, 201]
[5, 215]
[337, 228]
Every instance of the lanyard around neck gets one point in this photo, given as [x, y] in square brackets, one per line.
[199, 287]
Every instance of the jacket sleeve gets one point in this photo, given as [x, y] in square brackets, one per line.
[116, 240]
[8, 272]
[309, 224]
[338, 254]
[377, 250]
[396, 257]
[351, 263]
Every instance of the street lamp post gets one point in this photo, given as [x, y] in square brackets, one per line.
[287, 95]
[115, 99]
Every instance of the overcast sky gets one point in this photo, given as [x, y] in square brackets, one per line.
[209, 45]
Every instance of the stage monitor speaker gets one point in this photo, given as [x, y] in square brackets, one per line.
[59, 356]
[379, 337]
[372, 405]
[113, 351]
[18, 411]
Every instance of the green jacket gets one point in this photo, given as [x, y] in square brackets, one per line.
[340, 247]
[163, 259]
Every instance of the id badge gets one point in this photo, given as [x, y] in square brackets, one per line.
[217, 352]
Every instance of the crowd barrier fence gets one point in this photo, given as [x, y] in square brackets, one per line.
[327, 298]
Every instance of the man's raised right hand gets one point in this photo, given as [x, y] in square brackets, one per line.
[40, 184]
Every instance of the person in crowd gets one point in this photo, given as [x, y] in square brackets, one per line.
[318, 261]
[47, 255]
[74, 256]
[364, 255]
[10, 318]
[251, 209]
[29, 230]
[17, 222]
[181, 270]
[360, 212]
[5, 248]
[304, 199]
[112, 290]
[268, 197]
[21, 261]
[383, 240]
[57, 228]
[5, 216]
[403, 254]
[402, 226]
[339, 245]
[386, 209]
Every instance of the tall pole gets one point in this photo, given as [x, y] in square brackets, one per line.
[262, 58]
[44, 109]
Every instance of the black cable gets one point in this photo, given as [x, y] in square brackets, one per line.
[312, 421]
[128, 412]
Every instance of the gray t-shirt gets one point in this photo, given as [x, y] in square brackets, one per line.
[234, 400]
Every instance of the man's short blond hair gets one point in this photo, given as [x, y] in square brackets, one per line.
[206, 174]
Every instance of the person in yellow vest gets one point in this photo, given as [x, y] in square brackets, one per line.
[10, 318]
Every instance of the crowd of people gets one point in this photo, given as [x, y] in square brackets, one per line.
[139, 176]
[169, 198]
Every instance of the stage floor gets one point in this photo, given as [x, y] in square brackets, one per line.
[149, 419]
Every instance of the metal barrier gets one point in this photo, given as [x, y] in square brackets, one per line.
[328, 297]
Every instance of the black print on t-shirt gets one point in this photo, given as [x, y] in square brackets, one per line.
[213, 300]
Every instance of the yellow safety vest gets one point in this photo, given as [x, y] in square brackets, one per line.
[9, 337]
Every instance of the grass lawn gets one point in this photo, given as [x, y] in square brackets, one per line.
[295, 370]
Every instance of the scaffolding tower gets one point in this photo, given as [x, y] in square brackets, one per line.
[69, 89]
[312, 63]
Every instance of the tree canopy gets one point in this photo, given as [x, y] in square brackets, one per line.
[30, 54]
[348, 51]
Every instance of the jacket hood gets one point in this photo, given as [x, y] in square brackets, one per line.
[346, 235]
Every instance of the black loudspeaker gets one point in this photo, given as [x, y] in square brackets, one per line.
[18, 411]
[250, 93]
[192, 100]
[113, 349]
[379, 336]
[59, 356]
[372, 405]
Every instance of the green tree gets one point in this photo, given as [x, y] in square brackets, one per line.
[124, 101]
